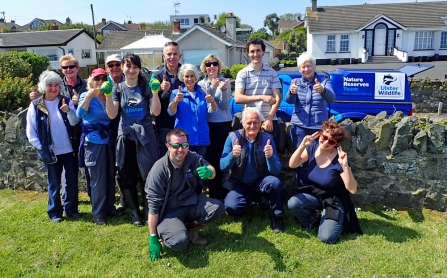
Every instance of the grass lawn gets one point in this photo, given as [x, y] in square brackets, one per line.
[394, 244]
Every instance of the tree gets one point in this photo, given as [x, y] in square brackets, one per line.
[260, 35]
[159, 25]
[298, 40]
[271, 22]
[221, 20]
[285, 34]
[86, 27]
[290, 16]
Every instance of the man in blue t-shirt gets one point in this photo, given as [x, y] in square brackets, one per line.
[251, 165]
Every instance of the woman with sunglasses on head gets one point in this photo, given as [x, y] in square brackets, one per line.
[330, 183]
[219, 122]
[97, 149]
[136, 148]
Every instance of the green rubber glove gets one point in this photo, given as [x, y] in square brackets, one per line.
[154, 84]
[155, 248]
[107, 87]
[204, 172]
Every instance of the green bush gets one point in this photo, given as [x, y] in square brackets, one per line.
[14, 92]
[13, 66]
[226, 72]
[235, 69]
[38, 63]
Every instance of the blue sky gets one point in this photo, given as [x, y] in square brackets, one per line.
[252, 12]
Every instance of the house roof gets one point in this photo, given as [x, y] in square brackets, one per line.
[118, 40]
[212, 31]
[289, 24]
[124, 26]
[351, 17]
[26, 27]
[39, 38]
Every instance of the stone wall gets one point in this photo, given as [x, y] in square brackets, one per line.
[427, 94]
[398, 161]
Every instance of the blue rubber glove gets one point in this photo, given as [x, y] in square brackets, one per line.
[107, 87]
[204, 172]
[154, 84]
[155, 248]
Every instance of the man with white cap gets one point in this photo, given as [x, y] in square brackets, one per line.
[113, 67]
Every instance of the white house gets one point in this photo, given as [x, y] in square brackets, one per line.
[54, 44]
[188, 20]
[150, 50]
[399, 31]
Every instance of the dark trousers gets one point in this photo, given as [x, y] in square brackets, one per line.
[275, 133]
[100, 162]
[243, 193]
[161, 139]
[69, 162]
[218, 135]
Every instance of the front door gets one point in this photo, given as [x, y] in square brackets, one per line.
[380, 40]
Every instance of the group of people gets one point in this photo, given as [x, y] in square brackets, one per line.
[191, 144]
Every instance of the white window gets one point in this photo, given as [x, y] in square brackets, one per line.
[50, 53]
[344, 43]
[184, 21]
[85, 54]
[330, 44]
[423, 40]
[443, 40]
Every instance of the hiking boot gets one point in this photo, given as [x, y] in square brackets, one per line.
[99, 221]
[56, 219]
[276, 224]
[193, 233]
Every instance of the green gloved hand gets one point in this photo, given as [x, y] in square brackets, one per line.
[204, 172]
[155, 248]
[107, 87]
[154, 84]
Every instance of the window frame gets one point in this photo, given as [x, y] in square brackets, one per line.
[344, 43]
[330, 41]
[443, 43]
[423, 40]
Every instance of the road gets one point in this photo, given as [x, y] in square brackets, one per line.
[439, 71]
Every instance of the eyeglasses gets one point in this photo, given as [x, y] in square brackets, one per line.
[209, 64]
[68, 67]
[178, 145]
[330, 141]
[100, 77]
[117, 65]
[171, 43]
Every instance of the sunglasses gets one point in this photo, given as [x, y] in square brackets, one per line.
[330, 141]
[111, 66]
[100, 77]
[171, 43]
[178, 145]
[208, 64]
[68, 67]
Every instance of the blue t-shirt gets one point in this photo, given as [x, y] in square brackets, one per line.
[326, 177]
[134, 106]
[96, 114]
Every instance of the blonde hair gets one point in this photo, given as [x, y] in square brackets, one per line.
[209, 58]
[69, 58]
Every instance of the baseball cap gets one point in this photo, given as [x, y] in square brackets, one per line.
[114, 57]
[98, 71]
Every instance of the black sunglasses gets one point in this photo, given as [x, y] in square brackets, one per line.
[208, 64]
[171, 43]
[178, 145]
[68, 67]
[330, 141]
[117, 65]
[100, 77]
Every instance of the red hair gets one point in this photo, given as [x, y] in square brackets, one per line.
[337, 132]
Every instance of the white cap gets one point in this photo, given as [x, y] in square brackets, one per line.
[113, 57]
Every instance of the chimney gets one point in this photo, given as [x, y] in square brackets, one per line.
[68, 21]
[13, 21]
[230, 24]
[129, 22]
[104, 21]
[176, 27]
[314, 6]
[54, 26]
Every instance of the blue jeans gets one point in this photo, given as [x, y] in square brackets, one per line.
[242, 193]
[297, 135]
[69, 162]
[306, 208]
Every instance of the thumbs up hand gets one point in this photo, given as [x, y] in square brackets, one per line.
[268, 149]
[318, 88]
[165, 85]
[154, 84]
[237, 149]
[223, 85]
[293, 87]
[75, 97]
[179, 97]
[107, 87]
[209, 98]
[64, 107]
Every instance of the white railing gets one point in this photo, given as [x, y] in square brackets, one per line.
[365, 56]
[400, 54]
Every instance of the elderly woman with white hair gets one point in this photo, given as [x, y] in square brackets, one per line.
[56, 143]
[309, 94]
[190, 104]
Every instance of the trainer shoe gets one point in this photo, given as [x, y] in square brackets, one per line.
[276, 224]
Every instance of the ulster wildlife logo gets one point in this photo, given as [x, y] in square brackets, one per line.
[387, 79]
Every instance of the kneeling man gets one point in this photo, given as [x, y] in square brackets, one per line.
[176, 211]
[251, 165]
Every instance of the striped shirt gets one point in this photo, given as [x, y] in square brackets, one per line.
[262, 83]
